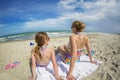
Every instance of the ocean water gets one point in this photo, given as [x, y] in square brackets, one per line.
[30, 35]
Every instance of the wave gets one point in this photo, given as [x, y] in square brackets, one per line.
[30, 35]
[3, 39]
[14, 36]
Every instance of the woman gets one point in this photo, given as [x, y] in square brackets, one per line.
[77, 42]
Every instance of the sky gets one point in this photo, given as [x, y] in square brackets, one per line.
[38, 15]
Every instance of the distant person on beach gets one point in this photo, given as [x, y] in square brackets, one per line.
[77, 42]
[41, 56]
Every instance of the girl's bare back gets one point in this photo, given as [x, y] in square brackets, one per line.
[45, 57]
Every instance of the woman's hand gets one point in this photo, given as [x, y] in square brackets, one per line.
[58, 78]
[95, 62]
[70, 77]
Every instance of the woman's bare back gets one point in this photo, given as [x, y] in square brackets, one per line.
[81, 41]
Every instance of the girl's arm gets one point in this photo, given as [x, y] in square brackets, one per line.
[72, 52]
[33, 65]
[55, 66]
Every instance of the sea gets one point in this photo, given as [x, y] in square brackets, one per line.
[31, 35]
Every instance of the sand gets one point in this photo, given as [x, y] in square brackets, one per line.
[106, 47]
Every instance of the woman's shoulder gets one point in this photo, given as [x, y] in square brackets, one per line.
[72, 36]
[75, 36]
[85, 36]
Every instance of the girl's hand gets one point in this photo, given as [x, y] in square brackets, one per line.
[58, 78]
[31, 78]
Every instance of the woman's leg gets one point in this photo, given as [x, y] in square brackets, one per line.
[66, 49]
[62, 51]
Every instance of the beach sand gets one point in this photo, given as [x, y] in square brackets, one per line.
[106, 47]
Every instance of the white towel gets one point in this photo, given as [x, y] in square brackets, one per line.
[81, 69]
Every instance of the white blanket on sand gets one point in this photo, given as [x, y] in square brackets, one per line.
[81, 69]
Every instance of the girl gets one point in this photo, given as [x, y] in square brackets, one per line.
[77, 42]
[41, 55]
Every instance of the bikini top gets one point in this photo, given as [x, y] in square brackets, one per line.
[41, 65]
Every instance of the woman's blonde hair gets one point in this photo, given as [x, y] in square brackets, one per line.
[78, 25]
[40, 39]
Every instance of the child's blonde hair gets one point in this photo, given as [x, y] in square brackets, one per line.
[40, 39]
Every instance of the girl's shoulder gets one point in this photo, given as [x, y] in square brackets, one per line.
[33, 52]
[50, 49]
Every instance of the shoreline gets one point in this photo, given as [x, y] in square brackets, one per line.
[32, 38]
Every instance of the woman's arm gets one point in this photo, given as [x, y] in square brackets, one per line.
[33, 65]
[88, 50]
[55, 66]
[72, 52]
